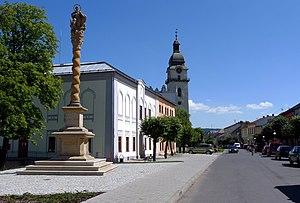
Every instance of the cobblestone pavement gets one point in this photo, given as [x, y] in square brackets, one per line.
[130, 182]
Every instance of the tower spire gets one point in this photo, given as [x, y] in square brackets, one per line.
[176, 43]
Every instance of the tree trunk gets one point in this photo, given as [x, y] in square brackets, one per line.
[166, 150]
[179, 148]
[3, 151]
[154, 150]
[23, 150]
[172, 154]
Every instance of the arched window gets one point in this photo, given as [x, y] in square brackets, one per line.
[88, 99]
[127, 106]
[179, 93]
[133, 107]
[120, 104]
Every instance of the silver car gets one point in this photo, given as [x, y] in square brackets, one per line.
[294, 155]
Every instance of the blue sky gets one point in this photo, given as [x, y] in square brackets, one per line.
[243, 56]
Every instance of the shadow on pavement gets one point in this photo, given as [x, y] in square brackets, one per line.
[282, 159]
[291, 191]
[264, 156]
[292, 166]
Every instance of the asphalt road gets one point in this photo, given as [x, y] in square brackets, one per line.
[238, 178]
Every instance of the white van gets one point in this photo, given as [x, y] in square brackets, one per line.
[237, 144]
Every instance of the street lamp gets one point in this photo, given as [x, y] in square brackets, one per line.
[274, 133]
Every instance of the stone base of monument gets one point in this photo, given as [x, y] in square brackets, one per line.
[52, 167]
[72, 152]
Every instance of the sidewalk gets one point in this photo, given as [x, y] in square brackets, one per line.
[160, 182]
[164, 186]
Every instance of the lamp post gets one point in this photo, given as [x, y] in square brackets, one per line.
[274, 133]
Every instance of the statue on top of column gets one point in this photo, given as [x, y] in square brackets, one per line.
[77, 24]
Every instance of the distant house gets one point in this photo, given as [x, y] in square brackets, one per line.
[250, 129]
[233, 131]
[294, 111]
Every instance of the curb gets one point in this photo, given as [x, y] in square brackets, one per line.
[178, 194]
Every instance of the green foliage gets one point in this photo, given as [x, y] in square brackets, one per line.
[197, 136]
[212, 140]
[183, 116]
[279, 125]
[226, 141]
[53, 198]
[295, 127]
[186, 135]
[27, 46]
[284, 128]
[153, 127]
[172, 128]
[267, 132]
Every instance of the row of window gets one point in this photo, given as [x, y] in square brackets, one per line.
[127, 105]
[147, 146]
[166, 111]
[126, 145]
[251, 131]
[145, 113]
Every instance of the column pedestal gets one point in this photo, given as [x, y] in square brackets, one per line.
[73, 141]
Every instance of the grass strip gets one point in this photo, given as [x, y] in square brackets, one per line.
[66, 197]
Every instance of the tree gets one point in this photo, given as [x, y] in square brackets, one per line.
[153, 128]
[27, 46]
[267, 132]
[197, 136]
[172, 129]
[185, 136]
[295, 129]
[184, 118]
[279, 125]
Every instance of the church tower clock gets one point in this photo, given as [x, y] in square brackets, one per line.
[177, 80]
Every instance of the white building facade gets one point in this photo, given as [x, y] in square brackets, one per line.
[117, 105]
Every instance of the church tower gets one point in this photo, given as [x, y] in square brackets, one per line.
[177, 80]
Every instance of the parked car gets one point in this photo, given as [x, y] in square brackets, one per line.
[294, 155]
[202, 148]
[283, 151]
[233, 149]
[273, 148]
[237, 144]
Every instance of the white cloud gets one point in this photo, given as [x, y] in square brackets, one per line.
[197, 106]
[217, 110]
[261, 105]
[225, 109]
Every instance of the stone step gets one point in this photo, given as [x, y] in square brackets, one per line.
[107, 168]
[70, 163]
[91, 167]
[45, 172]
[62, 168]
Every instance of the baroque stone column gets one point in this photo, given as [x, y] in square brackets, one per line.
[73, 141]
[77, 24]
